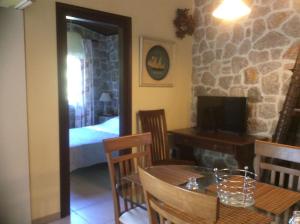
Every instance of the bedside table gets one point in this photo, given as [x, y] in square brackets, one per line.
[103, 118]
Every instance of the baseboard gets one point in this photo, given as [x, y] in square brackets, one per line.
[46, 219]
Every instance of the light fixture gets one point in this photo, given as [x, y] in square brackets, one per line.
[71, 18]
[231, 10]
[105, 98]
[23, 4]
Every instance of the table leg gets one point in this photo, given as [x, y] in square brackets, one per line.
[185, 152]
[245, 157]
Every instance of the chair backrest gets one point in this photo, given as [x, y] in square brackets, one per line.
[154, 121]
[281, 175]
[173, 204]
[123, 164]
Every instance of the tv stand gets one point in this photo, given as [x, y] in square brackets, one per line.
[240, 146]
[220, 132]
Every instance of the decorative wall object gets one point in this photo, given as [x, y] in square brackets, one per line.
[156, 62]
[184, 23]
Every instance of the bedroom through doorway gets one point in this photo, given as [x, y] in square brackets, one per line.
[94, 64]
[93, 86]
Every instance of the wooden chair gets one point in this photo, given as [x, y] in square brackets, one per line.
[123, 165]
[154, 121]
[278, 175]
[168, 203]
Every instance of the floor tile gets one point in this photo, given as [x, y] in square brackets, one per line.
[91, 197]
[98, 213]
[74, 219]
[110, 222]
[82, 201]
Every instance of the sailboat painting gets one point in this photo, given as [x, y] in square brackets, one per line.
[157, 62]
[156, 58]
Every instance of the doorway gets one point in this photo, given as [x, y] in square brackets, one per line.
[108, 23]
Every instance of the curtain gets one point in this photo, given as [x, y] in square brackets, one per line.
[84, 109]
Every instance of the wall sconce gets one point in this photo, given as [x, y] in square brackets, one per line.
[184, 23]
[231, 10]
[105, 98]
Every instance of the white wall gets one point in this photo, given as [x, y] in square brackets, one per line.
[14, 168]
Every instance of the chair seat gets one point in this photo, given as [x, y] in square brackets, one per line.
[135, 216]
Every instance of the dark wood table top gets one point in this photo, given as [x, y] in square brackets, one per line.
[221, 137]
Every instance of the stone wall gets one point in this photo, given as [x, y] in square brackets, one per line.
[106, 69]
[113, 71]
[249, 57]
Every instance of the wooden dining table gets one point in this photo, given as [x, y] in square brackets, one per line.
[272, 204]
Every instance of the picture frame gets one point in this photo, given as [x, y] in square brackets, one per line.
[156, 62]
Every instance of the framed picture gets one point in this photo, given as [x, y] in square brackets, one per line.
[156, 62]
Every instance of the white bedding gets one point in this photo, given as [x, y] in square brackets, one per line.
[86, 147]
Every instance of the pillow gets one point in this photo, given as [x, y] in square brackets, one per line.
[110, 126]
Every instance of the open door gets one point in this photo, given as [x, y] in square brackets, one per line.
[121, 23]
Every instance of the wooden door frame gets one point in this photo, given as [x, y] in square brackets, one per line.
[124, 24]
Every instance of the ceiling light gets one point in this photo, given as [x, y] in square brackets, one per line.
[231, 10]
[23, 4]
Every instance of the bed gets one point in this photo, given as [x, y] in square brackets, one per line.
[86, 147]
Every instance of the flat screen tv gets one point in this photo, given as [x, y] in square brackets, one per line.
[222, 114]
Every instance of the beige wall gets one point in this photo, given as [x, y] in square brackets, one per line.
[150, 18]
[14, 165]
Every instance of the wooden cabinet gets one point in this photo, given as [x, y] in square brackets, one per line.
[240, 146]
[203, 143]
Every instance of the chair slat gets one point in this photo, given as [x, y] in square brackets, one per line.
[124, 165]
[122, 169]
[281, 179]
[273, 152]
[286, 216]
[133, 165]
[126, 208]
[272, 180]
[291, 181]
[277, 219]
[161, 219]
[132, 193]
[268, 166]
[127, 167]
[154, 121]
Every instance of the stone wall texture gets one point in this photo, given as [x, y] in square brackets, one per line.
[106, 69]
[249, 57]
[107, 73]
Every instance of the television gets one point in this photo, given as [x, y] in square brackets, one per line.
[222, 114]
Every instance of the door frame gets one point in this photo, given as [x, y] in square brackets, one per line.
[124, 24]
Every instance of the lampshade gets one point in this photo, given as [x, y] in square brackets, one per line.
[105, 97]
[231, 9]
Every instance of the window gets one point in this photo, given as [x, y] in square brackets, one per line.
[74, 81]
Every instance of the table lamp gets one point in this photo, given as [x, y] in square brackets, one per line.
[105, 98]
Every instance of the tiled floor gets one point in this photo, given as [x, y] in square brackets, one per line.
[91, 200]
